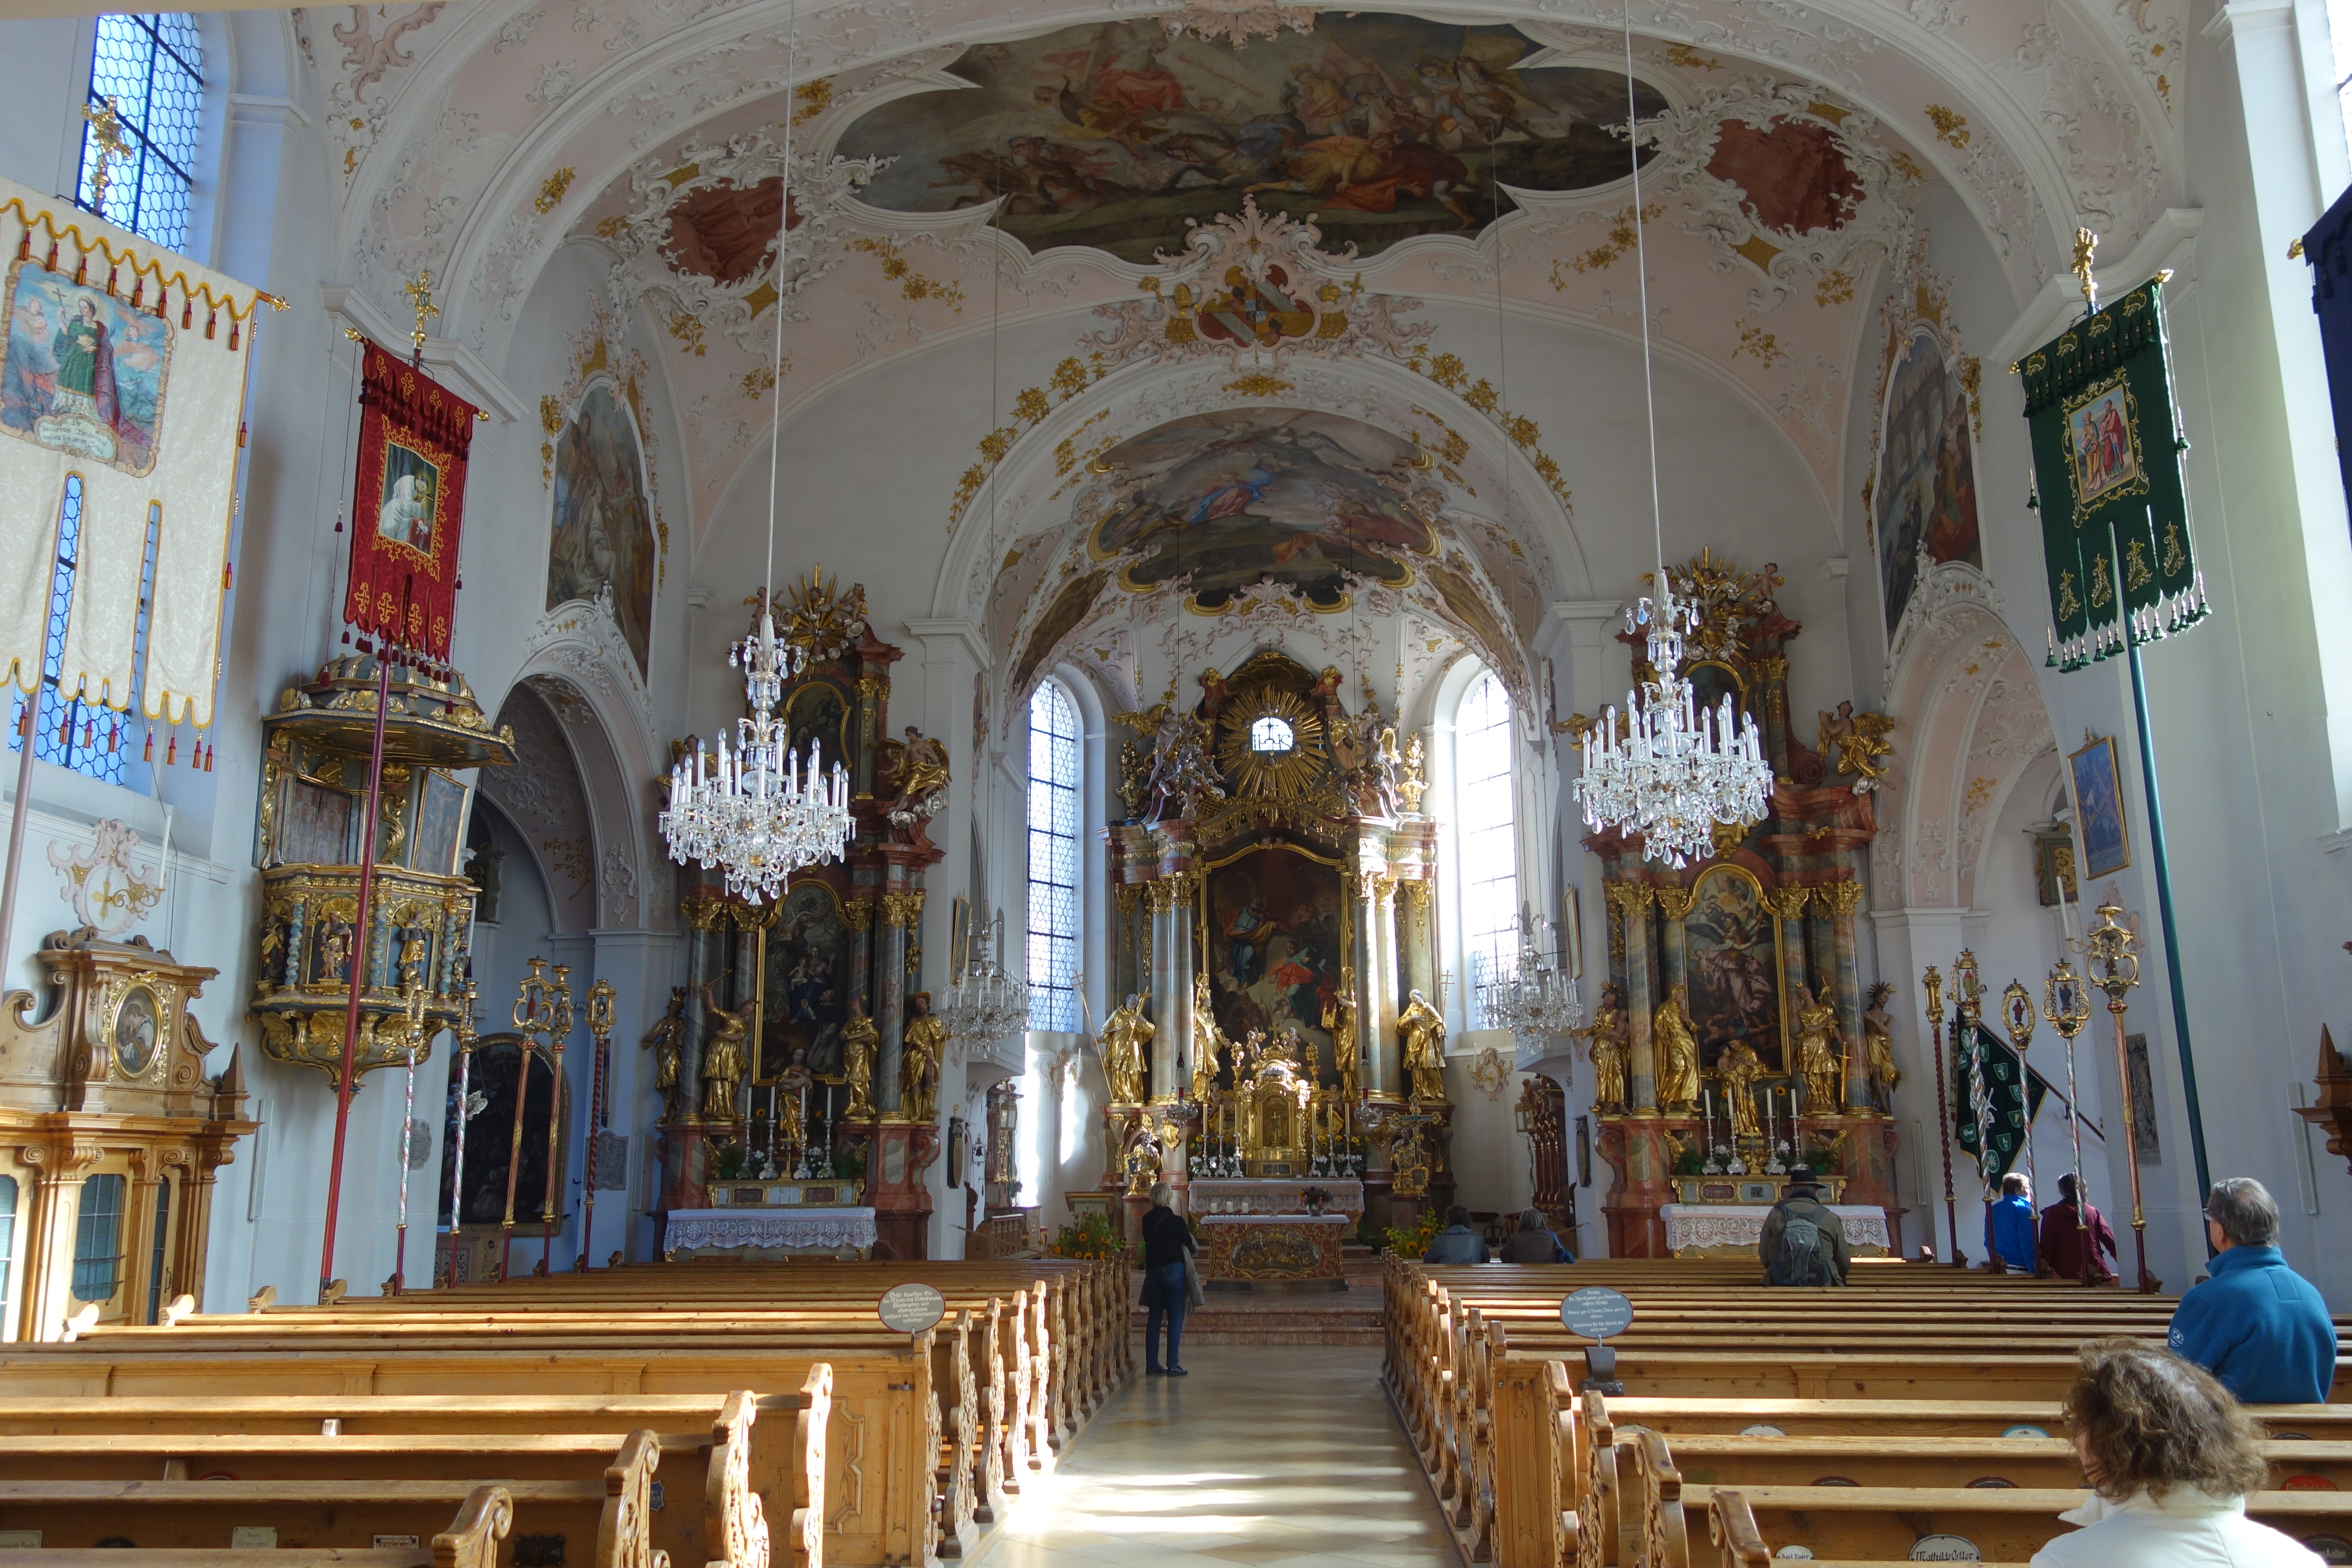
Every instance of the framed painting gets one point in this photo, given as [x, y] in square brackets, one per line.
[1274, 936]
[440, 824]
[83, 372]
[1732, 961]
[314, 825]
[2099, 804]
[818, 710]
[808, 987]
[602, 536]
[1925, 492]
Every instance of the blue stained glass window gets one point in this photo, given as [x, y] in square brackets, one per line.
[151, 65]
[1483, 817]
[87, 737]
[1052, 859]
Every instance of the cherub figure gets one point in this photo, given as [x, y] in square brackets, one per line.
[1853, 742]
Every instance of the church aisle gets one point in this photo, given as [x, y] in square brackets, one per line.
[1276, 1457]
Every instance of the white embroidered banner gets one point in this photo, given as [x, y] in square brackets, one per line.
[123, 364]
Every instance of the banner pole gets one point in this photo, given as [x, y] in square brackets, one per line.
[360, 948]
[2163, 859]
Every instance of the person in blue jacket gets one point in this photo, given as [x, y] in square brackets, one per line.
[2008, 1225]
[2256, 1325]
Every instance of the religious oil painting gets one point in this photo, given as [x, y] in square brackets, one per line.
[2103, 443]
[440, 824]
[314, 825]
[816, 713]
[408, 508]
[809, 974]
[84, 372]
[1275, 939]
[1732, 956]
[1113, 134]
[2098, 793]
[1926, 492]
[1228, 498]
[603, 532]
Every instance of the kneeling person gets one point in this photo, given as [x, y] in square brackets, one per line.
[1804, 1241]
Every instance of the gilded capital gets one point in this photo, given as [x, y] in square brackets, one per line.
[902, 911]
[859, 913]
[1127, 893]
[1628, 899]
[1676, 902]
[1384, 888]
[1788, 902]
[1842, 898]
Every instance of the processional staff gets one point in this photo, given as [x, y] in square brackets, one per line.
[412, 996]
[600, 1025]
[1933, 984]
[2113, 953]
[559, 1029]
[468, 1036]
[2068, 1009]
[2017, 1017]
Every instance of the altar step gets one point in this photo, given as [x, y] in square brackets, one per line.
[1350, 1317]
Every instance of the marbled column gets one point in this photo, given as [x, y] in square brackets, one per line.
[1673, 904]
[1788, 903]
[1419, 929]
[1171, 901]
[1630, 903]
[1376, 1000]
[1841, 897]
[902, 913]
[1771, 673]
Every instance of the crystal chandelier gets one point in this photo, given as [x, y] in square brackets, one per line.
[1680, 769]
[1536, 1001]
[984, 1004]
[756, 811]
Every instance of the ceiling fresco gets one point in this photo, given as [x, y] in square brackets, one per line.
[1112, 135]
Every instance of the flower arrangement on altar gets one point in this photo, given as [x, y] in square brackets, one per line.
[1090, 1239]
[1313, 1200]
[1412, 1241]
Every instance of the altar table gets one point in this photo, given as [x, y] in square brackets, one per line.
[769, 1233]
[1238, 1250]
[1260, 1195]
[1733, 1230]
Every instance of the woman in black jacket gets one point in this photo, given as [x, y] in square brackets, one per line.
[1166, 1241]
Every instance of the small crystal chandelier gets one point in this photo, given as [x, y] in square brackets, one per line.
[984, 1004]
[757, 811]
[1681, 770]
[1536, 1001]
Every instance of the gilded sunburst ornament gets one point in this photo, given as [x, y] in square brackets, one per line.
[1270, 743]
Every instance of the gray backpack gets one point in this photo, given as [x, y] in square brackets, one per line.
[1799, 1260]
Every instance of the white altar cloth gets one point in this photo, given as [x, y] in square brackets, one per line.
[827, 1228]
[1693, 1226]
[1265, 1195]
[1276, 1218]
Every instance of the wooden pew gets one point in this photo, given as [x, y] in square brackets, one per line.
[471, 1542]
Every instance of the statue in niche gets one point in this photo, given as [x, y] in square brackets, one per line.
[1820, 1060]
[1738, 1070]
[722, 1057]
[1124, 1034]
[1878, 1046]
[1611, 1035]
[922, 1048]
[861, 1042]
[1339, 1023]
[666, 1040]
[1422, 1034]
[1206, 1041]
[1678, 1041]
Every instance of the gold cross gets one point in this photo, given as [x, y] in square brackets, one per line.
[2086, 245]
[420, 294]
[106, 130]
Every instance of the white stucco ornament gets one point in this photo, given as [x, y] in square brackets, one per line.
[107, 891]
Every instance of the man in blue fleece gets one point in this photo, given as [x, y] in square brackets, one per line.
[2008, 1225]
[2256, 1324]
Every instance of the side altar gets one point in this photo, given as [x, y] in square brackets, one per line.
[1731, 1041]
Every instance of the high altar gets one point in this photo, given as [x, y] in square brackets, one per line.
[1274, 944]
[1731, 1040]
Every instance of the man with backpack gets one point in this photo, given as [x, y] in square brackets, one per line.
[1804, 1241]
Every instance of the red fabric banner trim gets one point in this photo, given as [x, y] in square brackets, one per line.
[408, 504]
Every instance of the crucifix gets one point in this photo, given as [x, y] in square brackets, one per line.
[2086, 245]
[420, 294]
[106, 134]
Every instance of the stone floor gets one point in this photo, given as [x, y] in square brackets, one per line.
[1270, 1456]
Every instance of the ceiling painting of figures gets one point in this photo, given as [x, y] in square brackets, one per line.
[1382, 126]
[1229, 499]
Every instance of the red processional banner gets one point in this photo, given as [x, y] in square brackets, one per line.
[406, 505]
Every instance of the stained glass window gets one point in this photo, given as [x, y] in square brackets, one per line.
[85, 736]
[1482, 817]
[151, 65]
[1052, 859]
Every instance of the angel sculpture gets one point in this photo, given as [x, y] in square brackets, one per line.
[919, 766]
[1853, 742]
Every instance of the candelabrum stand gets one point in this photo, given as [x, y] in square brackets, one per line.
[1933, 984]
[542, 1008]
[2112, 953]
[600, 1028]
[2067, 1009]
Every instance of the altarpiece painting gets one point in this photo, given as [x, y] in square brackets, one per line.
[1731, 953]
[1276, 939]
[808, 985]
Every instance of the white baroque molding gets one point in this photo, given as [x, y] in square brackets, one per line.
[583, 638]
[1942, 587]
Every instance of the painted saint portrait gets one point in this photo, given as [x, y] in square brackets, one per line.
[84, 372]
[1927, 491]
[1382, 126]
[816, 713]
[2106, 845]
[603, 531]
[808, 987]
[1275, 944]
[1733, 963]
[1231, 498]
[406, 510]
[2103, 444]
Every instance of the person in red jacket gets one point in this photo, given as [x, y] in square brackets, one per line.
[2073, 1234]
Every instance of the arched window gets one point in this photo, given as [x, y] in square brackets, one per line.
[1485, 832]
[152, 68]
[1052, 859]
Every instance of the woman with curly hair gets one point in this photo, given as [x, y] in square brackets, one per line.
[2170, 1458]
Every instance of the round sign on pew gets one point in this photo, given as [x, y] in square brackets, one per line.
[911, 1308]
[1596, 1311]
[1945, 1549]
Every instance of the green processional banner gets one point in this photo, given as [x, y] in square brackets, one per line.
[1990, 1119]
[2107, 479]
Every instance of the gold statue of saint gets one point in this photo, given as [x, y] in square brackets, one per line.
[861, 1043]
[1612, 1039]
[1737, 1070]
[1339, 1023]
[1124, 1034]
[722, 1058]
[666, 1040]
[1422, 1033]
[1878, 1046]
[1205, 1039]
[1820, 1061]
[921, 1050]
[1677, 1040]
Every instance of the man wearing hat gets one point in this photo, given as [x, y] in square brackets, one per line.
[1804, 1241]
